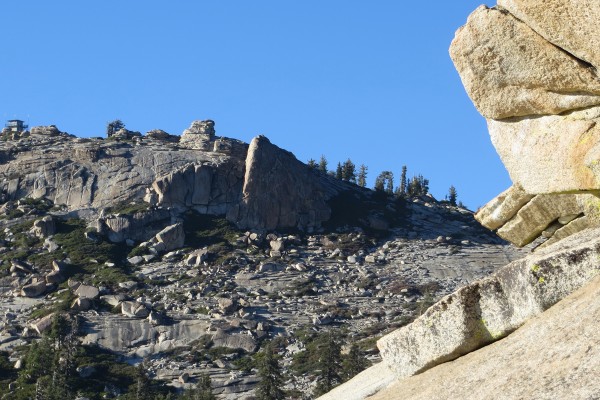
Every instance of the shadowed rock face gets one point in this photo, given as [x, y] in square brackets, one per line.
[530, 69]
[280, 191]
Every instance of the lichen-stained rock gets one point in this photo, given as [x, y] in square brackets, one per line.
[509, 70]
[569, 24]
[280, 191]
[501, 209]
[539, 213]
[553, 356]
[493, 307]
[551, 154]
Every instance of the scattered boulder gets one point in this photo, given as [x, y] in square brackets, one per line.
[54, 277]
[43, 324]
[20, 267]
[135, 260]
[81, 304]
[226, 305]
[44, 227]
[134, 309]
[172, 236]
[34, 289]
[87, 291]
[197, 257]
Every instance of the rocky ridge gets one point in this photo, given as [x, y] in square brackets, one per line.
[209, 174]
[190, 253]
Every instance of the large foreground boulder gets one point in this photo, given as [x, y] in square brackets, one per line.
[553, 356]
[509, 70]
[491, 308]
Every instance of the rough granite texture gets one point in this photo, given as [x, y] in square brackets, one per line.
[509, 70]
[528, 149]
[571, 25]
[555, 355]
[493, 307]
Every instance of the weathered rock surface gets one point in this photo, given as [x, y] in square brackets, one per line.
[521, 218]
[509, 70]
[370, 381]
[493, 307]
[123, 334]
[553, 356]
[503, 208]
[539, 213]
[528, 148]
[571, 25]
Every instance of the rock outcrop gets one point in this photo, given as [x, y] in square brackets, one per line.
[493, 307]
[301, 192]
[530, 69]
[257, 187]
[553, 356]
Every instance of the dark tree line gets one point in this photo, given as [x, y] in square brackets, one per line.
[416, 186]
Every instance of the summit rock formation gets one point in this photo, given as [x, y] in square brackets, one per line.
[256, 186]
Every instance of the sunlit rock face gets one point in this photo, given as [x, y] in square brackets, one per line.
[530, 69]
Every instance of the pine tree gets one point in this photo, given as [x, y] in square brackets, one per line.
[362, 176]
[385, 182]
[312, 164]
[323, 164]
[418, 186]
[328, 364]
[354, 363]
[403, 183]
[142, 390]
[203, 389]
[379, 184]
[338, 171]
[349, 171]
[113, 126]
[389, 187]
[269, 372]
[452, 195]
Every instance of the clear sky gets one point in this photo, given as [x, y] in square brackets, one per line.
[366, 80]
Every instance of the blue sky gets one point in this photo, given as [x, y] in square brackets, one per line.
[369, 81]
